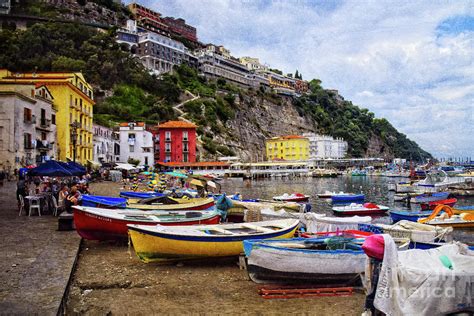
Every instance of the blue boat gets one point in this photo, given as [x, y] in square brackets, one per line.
[430, 197]
[140, 195]
[103, 201]
[465, 208]
[347, 198]
[409, 216]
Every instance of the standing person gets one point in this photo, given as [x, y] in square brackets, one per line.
[62, 196]
[2, 177]
[21, 189]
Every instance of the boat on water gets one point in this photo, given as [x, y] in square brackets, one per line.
[111, 224]
[359, 173]
[347, 198]
[294, 197]
[326, 260]
[360, 209]
[403, 196]
[171, 243]
[431, 205]
[449, 218]
[437, 181]
[168, 204]
[328, 194]
[408, 215]
[103, 201]
[429, 197]
[323, 173]
[405, 187]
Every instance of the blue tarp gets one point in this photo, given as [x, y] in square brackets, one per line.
[50, 168]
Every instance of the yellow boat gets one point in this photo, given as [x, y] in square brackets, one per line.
[172, 204]
[165, 243]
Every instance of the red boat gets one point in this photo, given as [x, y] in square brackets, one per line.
[433, 204]
[111, 224]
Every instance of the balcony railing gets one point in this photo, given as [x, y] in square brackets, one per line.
[29, 145]
[185, 150]
[45, 123]
[168, 150]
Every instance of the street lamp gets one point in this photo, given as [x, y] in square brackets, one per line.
[74, 127]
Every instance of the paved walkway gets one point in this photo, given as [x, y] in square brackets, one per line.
[35, 259]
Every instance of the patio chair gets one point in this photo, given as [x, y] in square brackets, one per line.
[35, 203]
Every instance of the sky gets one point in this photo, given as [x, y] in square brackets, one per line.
[411, 62]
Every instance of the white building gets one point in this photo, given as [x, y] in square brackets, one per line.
[27, 125]
[106, 145]
[136, 143]
[323, 146]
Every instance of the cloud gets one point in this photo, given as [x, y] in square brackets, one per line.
[408, 61]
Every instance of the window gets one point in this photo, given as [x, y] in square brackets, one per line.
[185, 135]
[27, 115]
[146, 161]
[168, 158]
[132, 148]
[53, 119]
[185, 157]
[185, 147]
[168, 147]
[168, 136]
[43, 136]
[27, 141]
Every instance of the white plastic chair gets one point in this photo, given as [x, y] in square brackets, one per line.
[34, 204]
[55, 206]
[21, 204]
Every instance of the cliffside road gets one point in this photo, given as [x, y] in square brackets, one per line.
[36, 260]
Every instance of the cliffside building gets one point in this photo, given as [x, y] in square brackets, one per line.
[136, 143]
[180, 28]
[73, 98]
[27, 125]
[176, 141]
[291, 147]
[323, 146]
[148, 19]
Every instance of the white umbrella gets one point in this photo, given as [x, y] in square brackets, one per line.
[125, 166]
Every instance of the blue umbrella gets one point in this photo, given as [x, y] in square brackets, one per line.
[75, 168]
[50, 168]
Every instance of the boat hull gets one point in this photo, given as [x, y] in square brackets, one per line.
[347, 198]
[156, 246]
[360, 212]
[192, 205]
[95, 227]
[408, 216]
[432, 205]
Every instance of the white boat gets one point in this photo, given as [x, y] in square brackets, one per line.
[437, 181]
[417, 232]
[315, 223]
[294, 197]
[360, 209]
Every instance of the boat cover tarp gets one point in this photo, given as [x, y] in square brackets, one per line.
[419, 282]
[322, 223]
[103, 201]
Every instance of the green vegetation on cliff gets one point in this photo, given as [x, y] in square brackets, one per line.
[125, 91]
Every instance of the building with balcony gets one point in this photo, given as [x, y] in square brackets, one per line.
[176, 141]
[180, 28]
[136, 143]
[27, 125]
[148, 19]
[291, 147]
[74, 100]
[159, 53]
[252, 64]
[216, 62]
[323, 146]
[106, 145]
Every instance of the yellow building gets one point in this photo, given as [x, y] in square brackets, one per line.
[291, 147]
[74, 101]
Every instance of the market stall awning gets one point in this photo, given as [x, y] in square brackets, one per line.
[51, 168]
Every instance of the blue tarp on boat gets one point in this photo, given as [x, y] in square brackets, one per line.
[408, 216]
[103, 201]
[425, 198]
[140, 195]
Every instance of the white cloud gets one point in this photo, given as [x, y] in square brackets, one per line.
[387, 56]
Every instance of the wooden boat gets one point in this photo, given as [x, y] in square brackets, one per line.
[408, 215]
[327, 194]
[347, 198]
[462, 221]
[103, 201]
[111, 224]
[430, 197]
[433, 204]
[294, 197]
[165, 243]
[360, 209]
[306, 260]
[170, 204]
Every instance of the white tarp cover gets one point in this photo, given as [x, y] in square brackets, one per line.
[415, 282]
[125, 166]
[322, 223]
